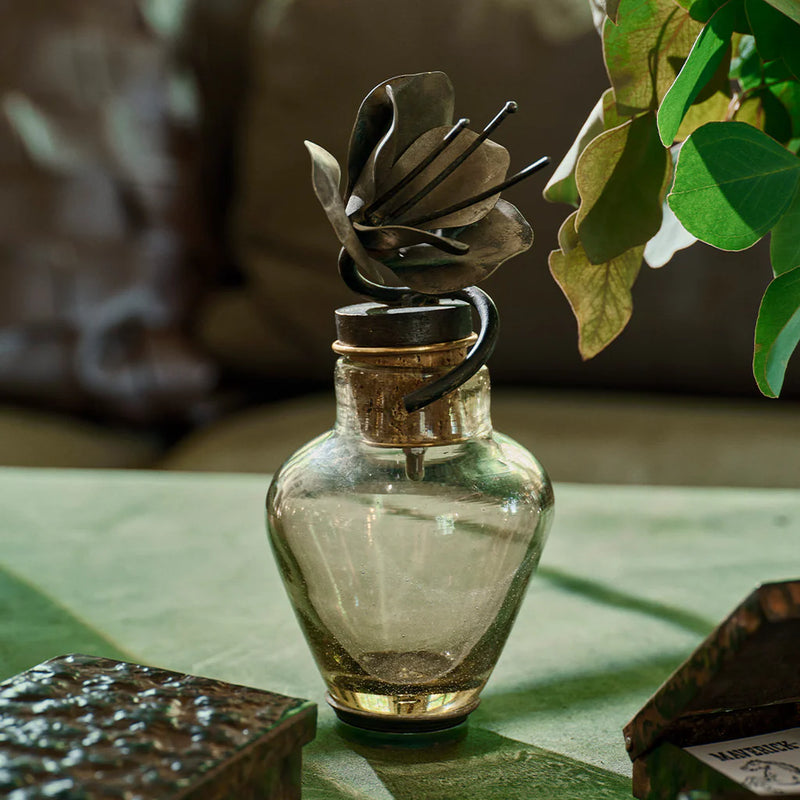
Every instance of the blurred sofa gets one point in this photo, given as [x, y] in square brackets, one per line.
[169, 280]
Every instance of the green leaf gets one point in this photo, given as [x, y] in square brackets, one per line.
[777, 122]
[788, 93]
[705, 57]
[711, 103]
[561, 187]
[777, 71]
[793, 64]
[732, 184]
[777, 37]
[599, 294]
[746, 64]
[791, 8]
[703, 10]
[645, 50]
[765, 22]
[790, 57]
[622, 177]
[714, 109]
[784, 246]
[764, 111]
[777, 331]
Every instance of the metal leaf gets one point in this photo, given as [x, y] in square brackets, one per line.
[420, 102]
[484, 168]
[500, 235]
[393, 237]
[325, 176]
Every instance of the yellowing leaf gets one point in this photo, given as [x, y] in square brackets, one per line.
[567, 235]
[645, 50]
[561, 187]
[764, 111]
[622, 177]
[712, 109]
[599, 294]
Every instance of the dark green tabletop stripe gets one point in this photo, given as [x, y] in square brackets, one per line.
[34, 627]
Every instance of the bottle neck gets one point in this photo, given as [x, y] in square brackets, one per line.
[372, 382]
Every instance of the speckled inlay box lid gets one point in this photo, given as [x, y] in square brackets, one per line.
[79, 728]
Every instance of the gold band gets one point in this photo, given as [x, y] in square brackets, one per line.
[440, 347]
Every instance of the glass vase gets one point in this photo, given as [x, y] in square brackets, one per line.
[406, 540]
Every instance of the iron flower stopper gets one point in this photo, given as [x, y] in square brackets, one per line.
[423, 200]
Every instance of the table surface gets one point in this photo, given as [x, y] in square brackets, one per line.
[175, 570]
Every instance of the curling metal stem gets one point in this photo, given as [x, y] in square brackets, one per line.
[478, 354]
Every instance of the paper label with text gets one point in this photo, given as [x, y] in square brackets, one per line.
[767, 764]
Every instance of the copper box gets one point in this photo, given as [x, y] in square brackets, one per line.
[742, 681]
[85, 728]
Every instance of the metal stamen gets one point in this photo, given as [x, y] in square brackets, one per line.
[450, 137]
[509, 108]
[520, 176]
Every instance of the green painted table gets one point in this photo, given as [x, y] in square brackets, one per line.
[174, 570]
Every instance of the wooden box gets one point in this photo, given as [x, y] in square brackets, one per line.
[742, 682]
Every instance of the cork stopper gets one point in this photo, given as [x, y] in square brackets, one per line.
[387, 353]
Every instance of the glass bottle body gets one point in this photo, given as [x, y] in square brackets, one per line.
[406, 566]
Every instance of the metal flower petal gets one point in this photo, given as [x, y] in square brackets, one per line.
[423, 194]
[485, 166]
[393, 237]
[403, 107]
[325, 177]
[502, 234]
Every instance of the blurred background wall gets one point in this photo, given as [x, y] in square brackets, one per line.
[165, 265]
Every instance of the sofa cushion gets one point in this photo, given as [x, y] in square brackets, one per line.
[93, 208]
[38, 439]
[580, 437]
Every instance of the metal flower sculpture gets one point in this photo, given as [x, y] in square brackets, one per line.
[423, 200]
[423, 195]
